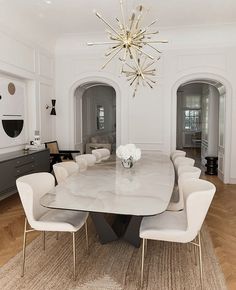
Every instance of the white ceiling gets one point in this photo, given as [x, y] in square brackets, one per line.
[49, 19]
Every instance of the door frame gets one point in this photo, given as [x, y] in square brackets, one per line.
[228, 112]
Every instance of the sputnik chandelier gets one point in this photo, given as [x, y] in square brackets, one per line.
[129, 42]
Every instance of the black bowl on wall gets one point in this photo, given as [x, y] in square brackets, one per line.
[13, 128]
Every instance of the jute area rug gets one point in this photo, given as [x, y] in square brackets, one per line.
[113, 266]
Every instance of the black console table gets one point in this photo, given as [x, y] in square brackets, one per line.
[19, 163]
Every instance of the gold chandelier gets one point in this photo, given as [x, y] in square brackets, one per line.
[130, 41]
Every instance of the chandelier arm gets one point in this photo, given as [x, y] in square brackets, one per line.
[113, 49]
[142, 51]
[103, 20]
[136, 87]
[124, 59]
[139, 17]
[133, 80]
[120, 24]
[111, 58]
[130, 66]
[153, 22]
[152, 33]
[100, 43]
[149, 84]
[137, 64]
[123, 14]
[153, 47]
[148, 65]
[142, 65]
[157, 41]
[150, 80]
[132, 22]
[142, 31]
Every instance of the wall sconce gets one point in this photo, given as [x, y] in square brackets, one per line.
[53, 111]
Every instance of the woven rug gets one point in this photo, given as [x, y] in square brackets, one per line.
[116, 266]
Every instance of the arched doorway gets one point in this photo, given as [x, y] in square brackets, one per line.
[95, 117]
[224, 140]
[84, 81]
[200, 121]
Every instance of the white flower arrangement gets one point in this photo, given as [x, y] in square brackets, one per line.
[128, 152]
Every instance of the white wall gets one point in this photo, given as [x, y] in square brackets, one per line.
[149, 119]
[34, 66]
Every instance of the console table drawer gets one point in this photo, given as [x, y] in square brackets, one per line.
[24, 160]
[25, 169]
[18, 163]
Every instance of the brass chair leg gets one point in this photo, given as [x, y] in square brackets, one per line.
[44, 241]
[146, 244]
[142, 263]
[23, 251]
[200, 259]
[74, 256]
[86, 235]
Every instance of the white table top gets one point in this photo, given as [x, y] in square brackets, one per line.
[107, 187]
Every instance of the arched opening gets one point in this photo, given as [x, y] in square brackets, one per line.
[95, 117]
[75, 95]
[201, 121]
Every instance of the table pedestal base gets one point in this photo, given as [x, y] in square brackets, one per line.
[124, 226]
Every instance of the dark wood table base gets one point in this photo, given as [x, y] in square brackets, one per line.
[123, 226]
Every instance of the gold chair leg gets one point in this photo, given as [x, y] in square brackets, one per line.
[74, 256]
[142, 263]
[86, 235]
[44, 241]
[200, 259]
[146, 244]
[23, 251]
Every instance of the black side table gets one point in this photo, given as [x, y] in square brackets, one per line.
[211, 165]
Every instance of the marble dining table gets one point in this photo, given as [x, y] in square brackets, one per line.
[109, 188]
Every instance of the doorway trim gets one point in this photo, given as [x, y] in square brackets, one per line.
[93, 78]
[228, 112]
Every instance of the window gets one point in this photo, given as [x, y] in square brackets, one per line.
[100, 118]
[192, 120]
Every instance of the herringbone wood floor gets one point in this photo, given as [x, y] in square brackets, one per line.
[221, 221]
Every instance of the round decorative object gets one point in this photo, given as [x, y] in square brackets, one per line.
[127, 163]
[11, 88]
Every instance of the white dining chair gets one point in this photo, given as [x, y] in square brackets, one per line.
[62, 170]
[182, 226]
[179, 153]
[89, 158]
[177, 199]
[98, 155]
[180, 161]
[104, 152]
[31, 188]
[82, 162]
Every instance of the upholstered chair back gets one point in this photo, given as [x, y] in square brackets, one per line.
[82, 162]
[179, 161]
[198, 195]
[177, 153]
[64, 169]
[90, 158]
[98, 155]
[187, 171]
[31, 188]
